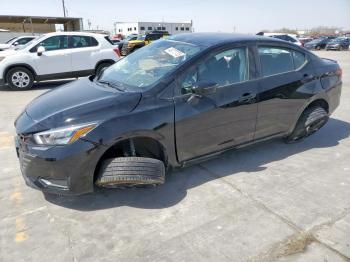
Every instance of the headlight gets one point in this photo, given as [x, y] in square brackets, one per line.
[63, 136]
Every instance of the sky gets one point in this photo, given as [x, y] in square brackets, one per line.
[244, 16]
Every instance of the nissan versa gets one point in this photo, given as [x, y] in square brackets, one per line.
[172, 103]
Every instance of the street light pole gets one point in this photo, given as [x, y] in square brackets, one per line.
[64, 9]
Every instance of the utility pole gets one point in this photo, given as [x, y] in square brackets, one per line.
[64, 9]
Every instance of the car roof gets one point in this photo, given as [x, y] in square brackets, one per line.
[210, 39]
[75, 33]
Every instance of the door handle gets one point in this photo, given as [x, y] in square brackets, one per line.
[247, 98]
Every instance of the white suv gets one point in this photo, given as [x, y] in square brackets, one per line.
[56, 56]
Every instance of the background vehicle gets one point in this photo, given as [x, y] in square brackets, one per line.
[340, 43]
[16, 42]
[142, 40]
[172, 103]
[56, 56]
[303, 40]
[122, 42]
[319, 43]
[286, 37]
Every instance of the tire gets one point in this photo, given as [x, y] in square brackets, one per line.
[101, 66]
[20, 78]
[311, 120]
[340, 48]
[130, 171]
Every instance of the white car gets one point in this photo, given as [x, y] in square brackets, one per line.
[16, 42]
[56, 56]
[286, 37]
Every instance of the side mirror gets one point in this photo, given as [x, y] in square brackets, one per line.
[204, 87]
[15, 43]
[40, 50]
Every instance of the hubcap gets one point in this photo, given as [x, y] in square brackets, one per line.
[20, 79]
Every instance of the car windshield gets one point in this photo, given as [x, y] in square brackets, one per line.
[337, 40]
[11, 40]
[141, 70]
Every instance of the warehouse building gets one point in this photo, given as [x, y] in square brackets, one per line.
[127, 28]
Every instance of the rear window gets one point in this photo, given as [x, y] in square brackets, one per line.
[78, 41]
[277, 60]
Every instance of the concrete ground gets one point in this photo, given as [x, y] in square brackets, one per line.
[270, 202]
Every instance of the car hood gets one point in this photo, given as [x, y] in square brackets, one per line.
[77, 102]
[8, 52]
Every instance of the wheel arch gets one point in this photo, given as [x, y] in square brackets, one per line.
[320, 100]
[29, 67]
[146, 145]
[103, 61]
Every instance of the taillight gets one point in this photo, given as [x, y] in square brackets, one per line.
[117, 51]
[339, 72]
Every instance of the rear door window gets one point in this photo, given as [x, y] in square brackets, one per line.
[275, 60]
[82, 41]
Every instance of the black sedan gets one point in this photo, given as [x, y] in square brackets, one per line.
[339, 44]
[172, 103]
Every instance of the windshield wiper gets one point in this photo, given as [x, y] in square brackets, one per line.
[111, 84]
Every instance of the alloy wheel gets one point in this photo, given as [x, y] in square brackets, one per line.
[20, 79]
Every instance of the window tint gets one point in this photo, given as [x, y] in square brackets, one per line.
[225, 68]
[275, 60]
[53, 43]
[82, 41]
[23, 41]
[299, 59]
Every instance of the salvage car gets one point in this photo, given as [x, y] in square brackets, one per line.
[173, 103]
[318, 43]
[340, 44]
[16, 42]
[142, 40]
[56, 55]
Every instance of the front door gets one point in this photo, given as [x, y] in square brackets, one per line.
[56, 59]
[212, 122]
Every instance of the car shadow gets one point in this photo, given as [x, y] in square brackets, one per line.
[41, 85]
[251, 159]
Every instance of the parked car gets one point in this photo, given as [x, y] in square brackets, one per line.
[340, 43]
[303, 40]
[56, 56]
[126, 40]
[16, 42]
[142, 40]
[286, 37]
[318, 43]
[172, 103]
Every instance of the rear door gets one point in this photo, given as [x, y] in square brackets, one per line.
[85, 53]
[55, 60]
[208, 123]
[283, 73]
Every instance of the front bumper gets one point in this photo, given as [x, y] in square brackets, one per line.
[64, 170]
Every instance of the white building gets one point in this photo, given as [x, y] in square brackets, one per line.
[127, 28]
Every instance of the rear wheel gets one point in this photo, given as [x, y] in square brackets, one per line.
[309, 122]
[130, 171]
[20, 78]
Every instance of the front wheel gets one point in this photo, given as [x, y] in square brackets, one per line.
[20, 78]
[309, 122]
[130, 171]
